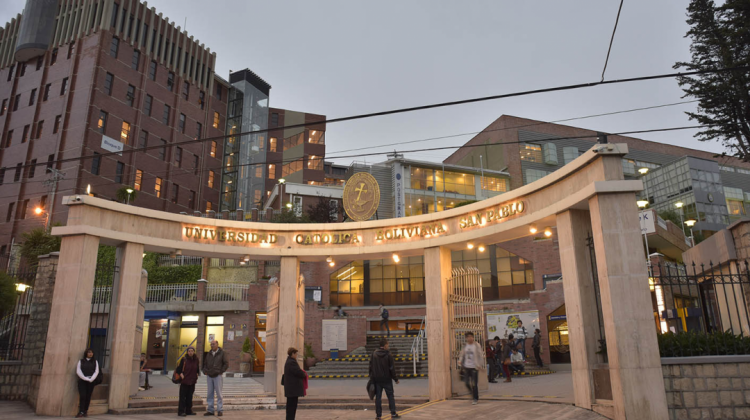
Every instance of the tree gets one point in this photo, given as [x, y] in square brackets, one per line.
[465, 203]
[720, 38]
[290, 216]
[672, 216]
[38, 242]
[7, 294]
[326, 210]
[122, 194]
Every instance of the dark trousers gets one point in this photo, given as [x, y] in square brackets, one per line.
[471, 378]
[538, 357]
[85, 390]
[379, 388]
[521, 346]
[491, 370]
[186, 399]
[291, 407]
[384, 321]
[516, 368]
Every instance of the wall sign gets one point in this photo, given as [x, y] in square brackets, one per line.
[229, 235]
[111, 145]
[493, 215]
[327, 238]
[424, 231]
[334, 334]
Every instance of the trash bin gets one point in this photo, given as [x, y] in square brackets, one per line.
[334, 353]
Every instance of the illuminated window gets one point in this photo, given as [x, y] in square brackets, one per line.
[494, 184]
[102, 124]
[210, 179]
[272, 171]
[315, 163]
[157, 187]
[291, 167]
[209, 206]
[293, 141]
[531, 152]
[138, 179]
[272, 144]
[214, 330]
[213, 149]
[316, 137]
[125, 132]
[216, 119]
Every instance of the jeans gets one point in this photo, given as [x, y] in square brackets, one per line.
[521, 345]
[384, 321]
[185, 405]
[141, 379]
[379, 388]
[291, 407]
[516, 368]
[491, 373]
[538, 357]
[85, 390]
[214, 385]
[471, 377]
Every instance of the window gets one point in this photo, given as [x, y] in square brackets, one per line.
[23, 209]
[23, 70]
[165, 115]
[726, 168]
[628, 166]
[50, 162]
[2, 176]
[9, 216]
[191, 202]
[138, 179]
[39, 62]
[53, 59]
[196, 163]
[47, 88]
[216, 119]
[163, 150]
[211, 179]
[5, 106]
[130, 97]
[71, 49]
[570, 154]
[125, 133]
[114, 46]
[17, 175]
[118, 172]
[114, 15]
[272, 144]
[152, 70]
[213, 148]
[43, 202]
[291, 167]
[218, 91]
[274, 119]
[56, 127]
[32, 97]
[170, 81]
[9, 138]
[494, 184]
[315, 163]
[64, 87]
[209, 206]
[534, 175]
[316, 137]
[334, 206]
[32, 169]
[25, 136]
[293, 141]
[147, 106]
[157, 187]
[202, 99]
[102, 124]
[178, 157]
[531, 152]
[182, 123]
[198, 130]
[175, 193]
[10, 72]
[143, 139]
[39, 129]
[96, 163]
[136, 60]
[16, 101]
[271, 171]
[185, 90]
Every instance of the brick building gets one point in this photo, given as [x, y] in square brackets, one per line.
[109, 79]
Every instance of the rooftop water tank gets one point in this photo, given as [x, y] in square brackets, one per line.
[37, 26]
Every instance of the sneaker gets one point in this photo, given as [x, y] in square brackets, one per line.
[79, 415]
[395, 416]
[221, 413]
[474, 402]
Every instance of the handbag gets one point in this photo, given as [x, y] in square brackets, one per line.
[506, 361]
[98, 380]
[282, 379]
[176, 379]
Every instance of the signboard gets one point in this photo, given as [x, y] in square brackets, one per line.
[317, 295]
[361, 196]
[558, 317]
[230, 336]
[111, 145]
[502, 324]
[398, 184]
[647, 221]
[334, 334]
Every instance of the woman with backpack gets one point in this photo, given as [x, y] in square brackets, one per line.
[88, 377]
[186, 375]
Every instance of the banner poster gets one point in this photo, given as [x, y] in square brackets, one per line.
[502, 323]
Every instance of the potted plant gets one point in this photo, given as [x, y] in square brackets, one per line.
[247, 356]
[310, 359]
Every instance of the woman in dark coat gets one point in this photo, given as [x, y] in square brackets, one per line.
[88, 377]
[294, 383]
[188, 370]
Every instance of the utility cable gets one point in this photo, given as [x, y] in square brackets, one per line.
[611, 40]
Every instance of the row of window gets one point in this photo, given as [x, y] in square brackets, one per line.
[30, 169]
[39, 62]
[36, 133]
[22, 210]
[33, 95]
[733, 169]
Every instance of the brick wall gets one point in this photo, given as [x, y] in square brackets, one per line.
[710, 387]
[356, 330]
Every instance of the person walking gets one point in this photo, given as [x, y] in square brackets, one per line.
[88, 377]
[294, 383]
[214, 365]
[506, 357]
[384, 320]
[490, 355]
[537, 346]
[468, 360]
[520, 334]
[383, 373]
[188, 370]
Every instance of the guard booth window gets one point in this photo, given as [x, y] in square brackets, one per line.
[214, 331]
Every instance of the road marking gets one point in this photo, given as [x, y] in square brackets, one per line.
[415, 408]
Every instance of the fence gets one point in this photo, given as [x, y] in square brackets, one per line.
[171, 292]
[13, 327]
[709, 302]
[465, 310]
[229, 292]
[167, 261]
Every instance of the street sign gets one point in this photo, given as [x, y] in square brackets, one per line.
[647, 218]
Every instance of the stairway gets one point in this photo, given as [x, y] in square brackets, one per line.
[357, 363]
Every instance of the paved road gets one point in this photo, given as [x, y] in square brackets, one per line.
[453, 409]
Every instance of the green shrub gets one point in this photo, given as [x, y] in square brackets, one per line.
[308, 351]
[686, 344]
[246, 345]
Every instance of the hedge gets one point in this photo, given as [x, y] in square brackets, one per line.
[686, 344]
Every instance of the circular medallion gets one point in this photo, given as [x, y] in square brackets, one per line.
[710, 197]
[361, 196]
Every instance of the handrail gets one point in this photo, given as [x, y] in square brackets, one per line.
[418, 344]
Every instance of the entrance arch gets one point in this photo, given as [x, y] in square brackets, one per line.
[588, 195]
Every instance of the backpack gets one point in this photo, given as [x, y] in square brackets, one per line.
[385, 313]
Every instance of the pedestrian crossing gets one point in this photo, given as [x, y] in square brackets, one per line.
[232, 387]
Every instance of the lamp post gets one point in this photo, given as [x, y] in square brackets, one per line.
[129, 191]
[690, 223]
[282, 181]
[679, 205]
[40, 211]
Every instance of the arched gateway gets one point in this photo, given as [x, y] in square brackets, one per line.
[587, 195]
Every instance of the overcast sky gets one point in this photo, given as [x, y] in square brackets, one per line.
[346, 57]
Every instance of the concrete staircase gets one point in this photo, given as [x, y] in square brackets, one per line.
[156, 406]
[357, 363]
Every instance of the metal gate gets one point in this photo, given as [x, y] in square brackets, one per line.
[102, 318]
[465, 311]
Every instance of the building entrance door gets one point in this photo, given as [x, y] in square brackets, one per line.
[259, 342]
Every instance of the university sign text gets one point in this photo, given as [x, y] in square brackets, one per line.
[230, 236]
[493, 215]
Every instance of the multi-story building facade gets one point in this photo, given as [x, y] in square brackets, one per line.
[112, 77]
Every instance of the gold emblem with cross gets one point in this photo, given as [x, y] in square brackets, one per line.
[361, 196]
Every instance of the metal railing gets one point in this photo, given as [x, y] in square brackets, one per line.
[167, 261]
[417, 346]
[229, 292]
[101, 299]
[157, 293]
[13, 327]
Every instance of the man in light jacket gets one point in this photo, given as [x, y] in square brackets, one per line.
[470, 360]
[215, 363]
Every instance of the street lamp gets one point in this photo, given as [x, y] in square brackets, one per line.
[643, 171]
[690, 223]
[642, 203]
[679, 205]
[282, 181]
[129, 191]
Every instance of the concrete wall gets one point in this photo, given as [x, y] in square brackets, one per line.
[708, 387]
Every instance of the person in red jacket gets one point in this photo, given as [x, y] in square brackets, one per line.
[188, 370]
[490, 355]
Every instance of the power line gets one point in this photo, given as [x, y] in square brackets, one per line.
[421, 108]
[611, 40]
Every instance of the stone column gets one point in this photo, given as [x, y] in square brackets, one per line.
[138, 341]
[633, 353]
[437, 263]
[573, 226]
[68, 332]
[272, 328]
[123, 362]
[291, 316]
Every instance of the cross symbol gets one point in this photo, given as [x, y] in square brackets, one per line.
[360, 189]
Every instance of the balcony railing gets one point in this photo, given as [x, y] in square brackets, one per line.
[167, 261]
[229, 292]
[171, 293]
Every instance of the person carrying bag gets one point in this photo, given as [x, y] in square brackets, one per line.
[186, 375]
[89, 376]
